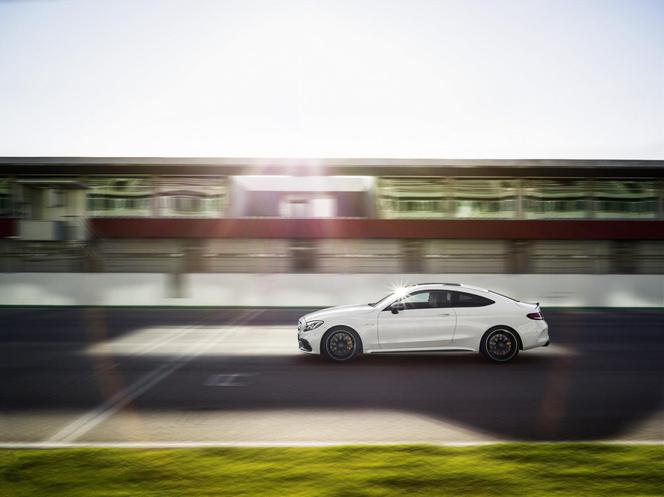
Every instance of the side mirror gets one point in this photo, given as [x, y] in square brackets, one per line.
[396, 307]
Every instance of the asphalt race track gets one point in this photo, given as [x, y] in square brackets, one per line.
[83, 375]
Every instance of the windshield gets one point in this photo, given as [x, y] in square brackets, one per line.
[381, 300]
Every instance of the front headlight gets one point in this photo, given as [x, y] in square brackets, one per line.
[312, 325]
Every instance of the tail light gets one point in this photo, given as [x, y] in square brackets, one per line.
[537, 316]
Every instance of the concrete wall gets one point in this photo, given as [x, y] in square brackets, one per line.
[29, 230]
[242, 289]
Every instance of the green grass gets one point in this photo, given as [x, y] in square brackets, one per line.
[501, 469]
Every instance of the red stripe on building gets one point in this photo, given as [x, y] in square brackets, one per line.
[377, 228]
[7, 227]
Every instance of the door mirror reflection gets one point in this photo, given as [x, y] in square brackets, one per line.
[397, 306]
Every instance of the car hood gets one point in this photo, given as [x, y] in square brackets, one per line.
[344, 310]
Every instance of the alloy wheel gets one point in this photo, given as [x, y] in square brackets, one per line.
[501, 345]
[341, 345]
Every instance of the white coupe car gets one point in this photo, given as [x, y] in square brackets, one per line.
[427, 317]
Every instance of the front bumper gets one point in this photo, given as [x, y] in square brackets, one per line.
[304, 345]
[309, 341]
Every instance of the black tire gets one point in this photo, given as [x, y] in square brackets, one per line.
[500, 344]
[341, 344]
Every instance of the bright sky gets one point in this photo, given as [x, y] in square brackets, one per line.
[356, 78]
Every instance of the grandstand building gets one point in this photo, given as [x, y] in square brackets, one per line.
[331, 215]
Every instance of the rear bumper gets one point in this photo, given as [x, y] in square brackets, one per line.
[536, 335]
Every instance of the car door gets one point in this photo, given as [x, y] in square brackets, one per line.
[420, 320]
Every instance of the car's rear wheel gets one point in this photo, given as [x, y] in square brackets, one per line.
[500, 345]
[341, 344]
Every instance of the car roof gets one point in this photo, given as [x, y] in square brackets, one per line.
[457, 285]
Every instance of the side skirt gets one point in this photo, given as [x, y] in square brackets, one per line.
[441, 349]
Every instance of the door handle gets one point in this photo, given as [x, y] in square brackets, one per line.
[446, 314]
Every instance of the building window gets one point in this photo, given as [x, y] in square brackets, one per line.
[192, 197]
[5, 198]
[119, 197]
[438, 198]
[555, 199]
[307, 206]
[626, 199]
[411, 197]
[484, 198]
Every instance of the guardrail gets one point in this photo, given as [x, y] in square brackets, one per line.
[311, 290]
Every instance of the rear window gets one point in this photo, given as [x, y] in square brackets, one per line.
[461, 299]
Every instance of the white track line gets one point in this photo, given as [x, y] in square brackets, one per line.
[98, 415]
[179, 445]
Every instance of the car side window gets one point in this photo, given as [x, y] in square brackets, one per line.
[462, 299]
[427, 299]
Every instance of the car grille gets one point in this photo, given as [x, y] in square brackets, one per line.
[300, 324]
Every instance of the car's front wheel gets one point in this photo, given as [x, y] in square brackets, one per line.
[500, 345]
[341, 344]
